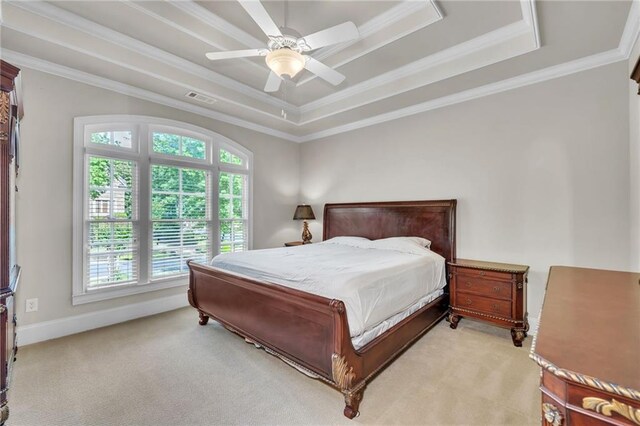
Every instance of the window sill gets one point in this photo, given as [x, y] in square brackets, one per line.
[127, 290]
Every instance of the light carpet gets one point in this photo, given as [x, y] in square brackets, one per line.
[168, 370]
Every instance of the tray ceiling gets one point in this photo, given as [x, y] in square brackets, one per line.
[412, 56]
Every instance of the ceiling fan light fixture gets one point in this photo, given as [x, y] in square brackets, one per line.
[285, 62]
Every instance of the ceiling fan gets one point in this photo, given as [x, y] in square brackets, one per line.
[285, 48]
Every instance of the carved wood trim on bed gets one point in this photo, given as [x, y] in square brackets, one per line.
[311, 332]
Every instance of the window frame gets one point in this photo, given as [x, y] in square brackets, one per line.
[141, 152]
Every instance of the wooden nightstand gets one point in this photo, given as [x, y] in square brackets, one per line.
[491, 292]
[294, 243]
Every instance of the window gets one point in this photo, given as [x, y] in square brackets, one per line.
[116, 138]
[229, 158]
[180, 218]
[170, 144]
[232, 212]
[112, 251]
[150, 194]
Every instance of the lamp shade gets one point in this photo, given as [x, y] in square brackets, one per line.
[304, 212]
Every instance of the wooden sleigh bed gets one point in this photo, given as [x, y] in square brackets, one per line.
[311, 332]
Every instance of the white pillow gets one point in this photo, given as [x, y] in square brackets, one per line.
[419, 240]
[349, 241]
[414, 245]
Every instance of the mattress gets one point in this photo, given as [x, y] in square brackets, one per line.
[379, 285]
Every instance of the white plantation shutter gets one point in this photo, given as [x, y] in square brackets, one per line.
[112, 249]
[233, 212]
[180, 218]
[149, 195]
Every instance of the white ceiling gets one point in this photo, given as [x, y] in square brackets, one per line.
[412, 56]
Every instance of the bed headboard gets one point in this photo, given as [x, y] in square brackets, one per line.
[433, 220]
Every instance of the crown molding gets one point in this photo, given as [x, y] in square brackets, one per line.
[553, 72]
[530, 17]
[32, 32]
[528, 25]
[494, 39]
[27, 61]
[77, 22]
[379, 23]
[622, 52]
[556, 71]
[158, 17]
[210, 41]
[214, 21]
[631, 31]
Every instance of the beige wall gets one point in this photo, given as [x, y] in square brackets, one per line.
[541, 173]
[44, 225]
[634, 156]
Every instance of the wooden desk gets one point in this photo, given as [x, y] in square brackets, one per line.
[588, 345]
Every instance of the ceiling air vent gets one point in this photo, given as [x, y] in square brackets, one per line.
[200, 97]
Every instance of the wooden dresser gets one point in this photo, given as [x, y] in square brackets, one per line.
[491, 292]
[588, 345]
[9, 270]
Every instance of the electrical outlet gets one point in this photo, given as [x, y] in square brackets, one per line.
[32, 305]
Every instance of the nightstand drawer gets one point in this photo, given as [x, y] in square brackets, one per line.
[482, 274]
[483, 287]
[485, 305]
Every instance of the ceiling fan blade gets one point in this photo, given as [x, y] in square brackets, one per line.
[323, 71]
[258, 13]
[273, 82]
[214, 56]
[337, 34]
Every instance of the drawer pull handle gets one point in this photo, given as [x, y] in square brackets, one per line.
[496, 289]
[494, 306]
[469, 301]
[602, 406]
[482, 274]
[469, 284]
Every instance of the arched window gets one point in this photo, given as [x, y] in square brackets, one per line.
[150, 194]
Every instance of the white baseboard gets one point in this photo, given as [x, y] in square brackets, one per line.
[47, 330]
[533, 325]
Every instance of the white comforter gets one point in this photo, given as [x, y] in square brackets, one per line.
[374, 282]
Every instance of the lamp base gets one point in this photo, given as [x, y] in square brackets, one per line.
[306, 234]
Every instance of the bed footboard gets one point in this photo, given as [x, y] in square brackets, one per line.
[307, 331]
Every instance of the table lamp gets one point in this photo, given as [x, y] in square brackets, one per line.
[304, 212]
